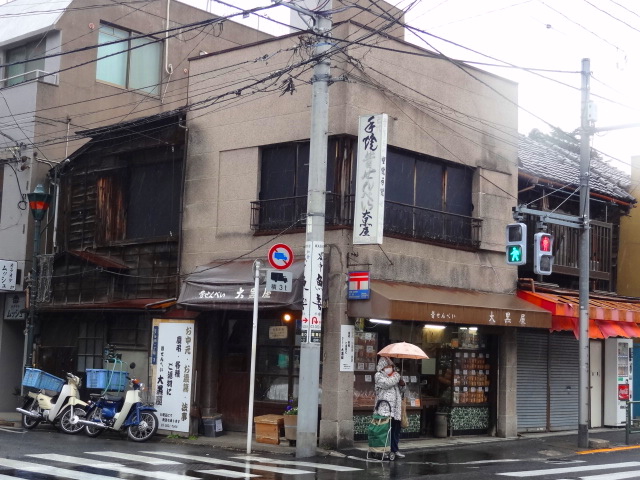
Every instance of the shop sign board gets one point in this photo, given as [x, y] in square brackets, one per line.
[173, 378]
[312, 292]
[8, 272]
[371, 172]
[14, 304]
[278, 332]
[347, 350]
[358, 286]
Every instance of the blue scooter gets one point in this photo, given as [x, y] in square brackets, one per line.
[111, 412]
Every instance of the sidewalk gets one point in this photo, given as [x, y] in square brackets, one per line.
[551, 443]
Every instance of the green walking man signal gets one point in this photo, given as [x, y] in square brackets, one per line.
[516, 236]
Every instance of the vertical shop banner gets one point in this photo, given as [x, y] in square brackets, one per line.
[368, 219]
[312, 292]
[14, 304]
[8, 272]
[174, 361]
[347, 349]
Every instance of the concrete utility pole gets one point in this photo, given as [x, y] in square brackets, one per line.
[309, 381]
[583, 260]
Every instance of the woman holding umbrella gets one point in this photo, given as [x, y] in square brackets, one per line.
[389, 387]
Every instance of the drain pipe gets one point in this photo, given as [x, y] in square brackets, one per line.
[167, 66]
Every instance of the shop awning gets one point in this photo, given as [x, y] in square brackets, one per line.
[229, 285]
[607, 318]
[426, 303]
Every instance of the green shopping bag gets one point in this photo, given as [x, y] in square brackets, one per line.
[378, 431]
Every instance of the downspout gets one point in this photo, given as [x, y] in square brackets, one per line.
[183, 188]
[167, 66]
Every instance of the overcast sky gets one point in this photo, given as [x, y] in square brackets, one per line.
[536, 34]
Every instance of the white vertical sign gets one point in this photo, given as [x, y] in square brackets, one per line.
[8, 272]
[368, 219]
[174, 363]
[347, 349]
[313, 284]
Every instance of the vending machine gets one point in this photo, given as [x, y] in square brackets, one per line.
[618, 380]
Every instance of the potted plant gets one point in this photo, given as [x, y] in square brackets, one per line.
[290, 422]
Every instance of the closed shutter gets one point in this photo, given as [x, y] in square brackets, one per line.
[564, 373]
[531, 404]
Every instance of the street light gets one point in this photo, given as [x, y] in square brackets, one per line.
[39, 204]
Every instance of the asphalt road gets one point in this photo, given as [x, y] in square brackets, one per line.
[45, 453]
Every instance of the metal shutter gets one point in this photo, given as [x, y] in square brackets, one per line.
[531, 404]
[564, 373]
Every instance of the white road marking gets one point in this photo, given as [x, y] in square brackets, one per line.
[585, 468]
[322, 466]
[215, 461]
[116, 467]
[49, 470]
[226, 473]
[613, 476]
[136, 458]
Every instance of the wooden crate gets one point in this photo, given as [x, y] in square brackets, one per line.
[268, 428]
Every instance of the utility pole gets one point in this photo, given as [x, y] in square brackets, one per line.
[309, 381]
[583, 260]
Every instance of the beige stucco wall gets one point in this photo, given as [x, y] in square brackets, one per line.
[464, 116]
[629, 260]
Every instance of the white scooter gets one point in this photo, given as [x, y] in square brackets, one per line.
[64, 408]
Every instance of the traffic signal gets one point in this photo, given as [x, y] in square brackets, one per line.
[542, 253]
[516, 244]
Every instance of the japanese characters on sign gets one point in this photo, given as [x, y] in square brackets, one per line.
[8, 271]
[368, 219]
[174, 362]
[347, 349]
[14, 304]
[312, 292]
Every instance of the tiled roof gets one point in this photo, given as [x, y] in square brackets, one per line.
[551, 162]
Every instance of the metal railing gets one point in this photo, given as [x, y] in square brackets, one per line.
[632, 426]
[400, 219]
[33, 75]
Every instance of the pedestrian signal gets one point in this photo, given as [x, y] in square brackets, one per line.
[516, 234]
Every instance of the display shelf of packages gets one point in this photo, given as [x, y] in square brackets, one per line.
[365, 351]
[35, 378]
[471, 378]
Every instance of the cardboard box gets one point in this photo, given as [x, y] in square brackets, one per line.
[268, 428]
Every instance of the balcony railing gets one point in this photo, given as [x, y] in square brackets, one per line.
[400, 219]
[39, 75]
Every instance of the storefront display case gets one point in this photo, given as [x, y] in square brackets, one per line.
[464, 374]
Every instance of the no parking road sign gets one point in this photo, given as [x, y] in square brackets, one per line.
[280, 256]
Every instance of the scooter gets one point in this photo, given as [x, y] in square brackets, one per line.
[110, 412]
[64, 409]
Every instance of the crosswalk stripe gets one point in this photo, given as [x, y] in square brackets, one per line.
[136, 458]
[59, 472]
[215, 461]
[227, 473]
[613, 476]
[116, 467]
[585, 468]
[323, 466]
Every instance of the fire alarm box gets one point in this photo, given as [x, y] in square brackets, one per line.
[623, 391]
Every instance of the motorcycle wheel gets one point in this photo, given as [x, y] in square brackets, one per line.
[93, 431]
[65, 420]
[145, 429]
[30, 422]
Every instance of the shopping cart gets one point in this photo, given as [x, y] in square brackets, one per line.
[379, 435]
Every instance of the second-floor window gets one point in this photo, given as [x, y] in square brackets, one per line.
[133, 63]
[30, 67]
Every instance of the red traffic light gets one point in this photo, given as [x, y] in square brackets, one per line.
[545, 243]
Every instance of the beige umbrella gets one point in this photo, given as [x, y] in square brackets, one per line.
[403, 350]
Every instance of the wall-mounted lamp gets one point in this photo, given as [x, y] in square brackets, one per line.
[434, 327]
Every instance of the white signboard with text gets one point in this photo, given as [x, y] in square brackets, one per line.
[368, 219]
[8, 272]
[173, 345]
[347, 349]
